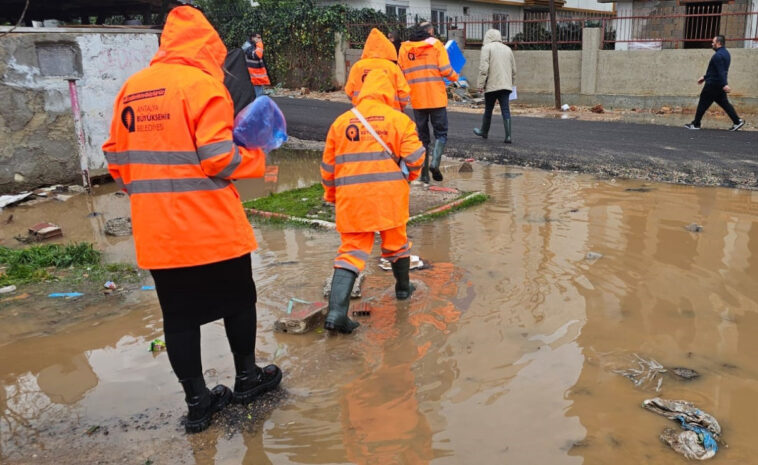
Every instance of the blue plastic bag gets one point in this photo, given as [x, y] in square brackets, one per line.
[260, 125]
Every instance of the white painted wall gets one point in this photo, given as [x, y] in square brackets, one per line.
[624, 26]
[751, 27]
[107, 61]
[588, 5]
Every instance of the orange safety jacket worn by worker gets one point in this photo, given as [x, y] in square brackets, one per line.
[424, 64]
[378, 53]
[365, 183]
[255, 65]
[171, 150]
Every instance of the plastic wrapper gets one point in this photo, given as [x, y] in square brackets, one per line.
[260, 125]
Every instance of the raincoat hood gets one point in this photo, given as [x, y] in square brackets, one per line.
[189, 39]
[415, 45]
[492, 35]
[379, 46]
[378, 87]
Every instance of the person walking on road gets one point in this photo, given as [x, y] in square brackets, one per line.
[378, 53]
[371, 153]
[171, 150]
[716, 86]
[255, 64]
[497, 73]
[425, 63]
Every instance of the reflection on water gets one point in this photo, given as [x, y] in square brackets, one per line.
[497, 358]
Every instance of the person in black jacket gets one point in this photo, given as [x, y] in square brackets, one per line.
[716, 86]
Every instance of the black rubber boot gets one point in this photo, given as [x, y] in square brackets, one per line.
[403, 287]
[425, 169]
[203, 403]
[486, 120]
[434, 166]
[339, 302]
[252, 381]
[507, 124]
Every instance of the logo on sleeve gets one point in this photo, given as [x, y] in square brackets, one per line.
[353, 133]
[411, 56]
[127, 117]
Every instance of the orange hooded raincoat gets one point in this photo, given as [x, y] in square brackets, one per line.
[378, 53]
[366, 184]
[256, 66]
[171, 149]
[424, 64]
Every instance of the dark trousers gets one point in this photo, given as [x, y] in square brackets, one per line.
[193, 296]
[438, 117]
[714, 93]
[497, 96]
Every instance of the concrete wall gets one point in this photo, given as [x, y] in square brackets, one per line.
[38, 143]
[626, 79]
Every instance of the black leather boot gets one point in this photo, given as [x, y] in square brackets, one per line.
[507, 124]
[403, 287]
[434, 165]
[203, 403]
[486, 120]
[252, 381]
[339, 302]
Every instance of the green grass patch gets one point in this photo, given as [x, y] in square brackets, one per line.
[306, 202]
[471, 201]
[57, 262]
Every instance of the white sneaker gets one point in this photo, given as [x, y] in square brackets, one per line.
[738, 125]
[693, 127]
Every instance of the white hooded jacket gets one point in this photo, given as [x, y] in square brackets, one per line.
[497, 66]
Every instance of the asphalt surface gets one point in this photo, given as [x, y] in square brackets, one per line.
[637, 151]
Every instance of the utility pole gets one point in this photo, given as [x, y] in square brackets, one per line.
[554, 45]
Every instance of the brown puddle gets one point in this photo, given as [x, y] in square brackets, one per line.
[502, 355]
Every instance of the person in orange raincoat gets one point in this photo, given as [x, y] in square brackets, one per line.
[424, 62]
[378, 53]
[370, 190]
[255, 64]
[171, 150]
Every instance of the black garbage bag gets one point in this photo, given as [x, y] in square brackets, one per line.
[237, 79]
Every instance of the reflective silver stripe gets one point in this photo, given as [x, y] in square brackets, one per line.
[419, 68]
[119, 183]
[426, 79]
[346, 265]
[366, 178]
[327, 183]
[445, 68]
[415, 155]
[216, 148]
[236, 160]
[414, 168]
[327, 168]
[388, 252]
[359, 254]
[365, 156]
[160, 186]
[403, 99]
[151, 157]
[356, 92]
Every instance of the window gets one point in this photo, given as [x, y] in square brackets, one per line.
[399, 12]
[700, 30]
[438, 20]
[500, 22]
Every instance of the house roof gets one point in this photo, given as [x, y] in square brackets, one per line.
[10, 10]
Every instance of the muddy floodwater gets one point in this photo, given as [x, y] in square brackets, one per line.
[506, 353]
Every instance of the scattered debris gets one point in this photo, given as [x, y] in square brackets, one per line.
[65, 295]
[416, 263]
[648, 373]
[362, 309]
[92, 429]
[565, 107]
[43, 231]
[466, 168]
[597, 109]
[119, 226]
[110, 285]
[694, 227]
[16, 297]
[148, 288]
[638, 189]
[7, 200]
[303, 318]
[702, 434]
[9, 220]
[94, 214]
[7, 289]
[593, 256]
[156, 345]
[685, 373]
[62, 198]
[356, 292]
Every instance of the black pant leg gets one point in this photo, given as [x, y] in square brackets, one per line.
[422, 126]
[183, 349]
[489, 103]
[707, 97]
[502, 98]
[240, 330]
[722, 100]
[439, 123]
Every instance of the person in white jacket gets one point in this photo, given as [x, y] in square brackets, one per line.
[497, 74]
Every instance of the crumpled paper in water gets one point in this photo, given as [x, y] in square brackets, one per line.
[702, 430]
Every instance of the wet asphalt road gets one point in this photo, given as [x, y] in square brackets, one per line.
[638, 151]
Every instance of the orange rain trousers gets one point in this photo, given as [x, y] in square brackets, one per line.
[356, 248]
